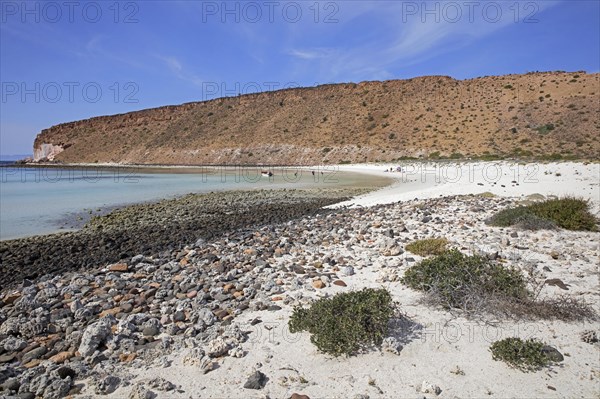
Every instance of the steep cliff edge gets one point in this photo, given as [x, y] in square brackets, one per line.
[514, 115]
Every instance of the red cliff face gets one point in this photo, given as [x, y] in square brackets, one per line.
[514, 115]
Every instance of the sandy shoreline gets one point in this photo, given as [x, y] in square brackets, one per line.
[205, 318]
[502, 178]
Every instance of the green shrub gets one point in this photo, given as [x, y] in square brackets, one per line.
[456, 280]
[522, 355]
[569, 213]
[522, 217]
[347, 322]
[545, 128]
[429, 246]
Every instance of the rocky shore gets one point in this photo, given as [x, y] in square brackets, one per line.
[157, 228]
[206, 319]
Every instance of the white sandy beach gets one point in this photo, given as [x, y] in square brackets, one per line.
[439, 348]
[502, 178]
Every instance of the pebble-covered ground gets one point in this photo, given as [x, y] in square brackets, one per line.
[157, 228]
[98, 331]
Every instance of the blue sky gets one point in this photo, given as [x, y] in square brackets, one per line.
[63, 61]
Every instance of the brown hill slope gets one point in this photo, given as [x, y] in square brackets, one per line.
[534, 114]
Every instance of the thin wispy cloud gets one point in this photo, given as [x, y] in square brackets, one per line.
[311, 54]
[175, 66]
[410, 39]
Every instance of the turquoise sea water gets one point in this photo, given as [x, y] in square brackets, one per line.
[34, 200]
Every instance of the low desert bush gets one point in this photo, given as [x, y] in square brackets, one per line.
[523, 355]
[428, 246]
[477, 285]
[569, 213]
[347, 322]
[456, 280]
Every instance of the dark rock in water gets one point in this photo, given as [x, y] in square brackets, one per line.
[552, 353]
[257, 380]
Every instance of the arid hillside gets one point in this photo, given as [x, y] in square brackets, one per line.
[532, 115]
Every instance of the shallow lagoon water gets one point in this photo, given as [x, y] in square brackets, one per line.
[37, 200]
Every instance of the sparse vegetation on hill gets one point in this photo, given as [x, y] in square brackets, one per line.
[432, 117]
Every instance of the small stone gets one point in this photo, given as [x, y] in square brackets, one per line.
[318, 284]
[161, 384]
[179, 316]
[557, 282]
[113, 312]
[139, 392]
[392, 345]
[8, 358]
[34, 354]
[299, 396]
[299, 269]
[94, 335]
[12, 384]
[32, 364]
[11, 298]
[127, 358]
[221, 313]
[150, 331]
[14, 344]
[554, 255]
[61, 357]
[552, 354]
[228, 287]
[118, 267]
[106, 385]
[589, 337]
[257, 380]
[340, 283]
[217, 348]
[192, 294]
[347, 270]
[427, 387]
